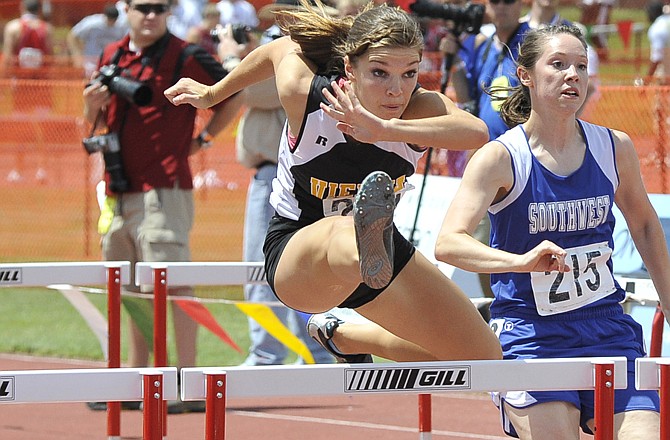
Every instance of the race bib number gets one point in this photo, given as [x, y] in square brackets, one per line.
[587, 282]
[345, 205]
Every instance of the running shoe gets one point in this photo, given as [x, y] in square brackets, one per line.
[321, 327]
[373, 221]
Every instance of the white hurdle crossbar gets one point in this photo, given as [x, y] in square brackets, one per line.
[203, 273]
[153, 386]
[216, 384]
[111, 273]
[654, 374]
[44, 274]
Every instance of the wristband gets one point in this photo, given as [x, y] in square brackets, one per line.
[204, 139]
[230, 62]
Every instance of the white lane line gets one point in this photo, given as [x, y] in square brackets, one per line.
[293, 418]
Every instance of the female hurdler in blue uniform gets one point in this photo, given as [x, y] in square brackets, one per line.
[549, 185]
[354, 109]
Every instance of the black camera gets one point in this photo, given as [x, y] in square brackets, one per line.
[466, 18]
[240, 33]
[110, 147]
[131, 90]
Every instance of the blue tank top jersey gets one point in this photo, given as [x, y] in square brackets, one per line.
[573, 211]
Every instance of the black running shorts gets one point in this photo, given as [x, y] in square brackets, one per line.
[282, 229]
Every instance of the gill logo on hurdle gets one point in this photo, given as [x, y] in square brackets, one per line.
[361, 380]
[11, 275]
[255, 274]
[6, 388]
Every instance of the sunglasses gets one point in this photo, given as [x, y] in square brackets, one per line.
[147, 8]
[507, 2]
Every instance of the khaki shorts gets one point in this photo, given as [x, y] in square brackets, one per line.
[153, 226]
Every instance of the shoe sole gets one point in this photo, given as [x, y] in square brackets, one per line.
[373, 222]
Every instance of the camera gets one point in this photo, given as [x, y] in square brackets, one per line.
[110, 147]
[240, 33]
[131, 90]
[466, 18]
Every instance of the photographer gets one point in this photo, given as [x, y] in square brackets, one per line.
[146, 143]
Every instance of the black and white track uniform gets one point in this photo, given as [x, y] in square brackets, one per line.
[319, 173]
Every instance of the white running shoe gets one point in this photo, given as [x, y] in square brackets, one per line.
[321, 327]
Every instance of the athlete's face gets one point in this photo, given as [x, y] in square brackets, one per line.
[560, 75]
[384, 78]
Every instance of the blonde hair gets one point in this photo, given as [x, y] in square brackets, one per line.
[327, 40]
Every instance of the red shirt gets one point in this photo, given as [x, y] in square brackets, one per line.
[156, 138]
[35, 37]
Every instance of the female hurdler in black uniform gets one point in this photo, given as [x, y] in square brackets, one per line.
[357, 125]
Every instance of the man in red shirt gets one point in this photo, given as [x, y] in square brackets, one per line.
[146, 151]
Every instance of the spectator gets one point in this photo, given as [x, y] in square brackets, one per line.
[659, 40]
[597, 13]
[550, 265]
[87, 39]
[28, 40]
[486, 67]
[489, 63]
[202, 33]
[150, 176]
[257, 146]
[185, 15]
[238, 12]
[353, 105]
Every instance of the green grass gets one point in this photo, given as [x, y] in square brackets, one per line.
[40, 321]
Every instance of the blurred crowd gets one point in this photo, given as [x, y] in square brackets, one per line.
[30, 41]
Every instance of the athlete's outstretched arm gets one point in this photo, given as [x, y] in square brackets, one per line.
[487, 178]
[430, 120]
[260, 64]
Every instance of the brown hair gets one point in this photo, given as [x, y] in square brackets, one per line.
[516, 108]
[326, 40]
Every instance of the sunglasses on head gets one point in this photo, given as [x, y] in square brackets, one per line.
[507, 2]
[147, 8]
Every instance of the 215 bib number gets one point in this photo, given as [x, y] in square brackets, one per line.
[589, 280]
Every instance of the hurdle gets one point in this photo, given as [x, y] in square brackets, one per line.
[654, 374]
[112, 273]
[642, 290]
[186, 274]
[150, 385]
[215, 385]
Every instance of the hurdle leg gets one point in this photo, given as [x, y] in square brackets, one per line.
[215, 407]
[425, 417]
[604, 401]
[114, 345]
[160, 328]
[152, 417]
[664, 371]
[656, 343]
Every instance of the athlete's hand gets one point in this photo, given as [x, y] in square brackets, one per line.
[545, 257]
[188, 91]
[353, 119]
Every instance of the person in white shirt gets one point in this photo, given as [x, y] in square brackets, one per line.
[659, 39]
[238, 12]
[87, 39]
